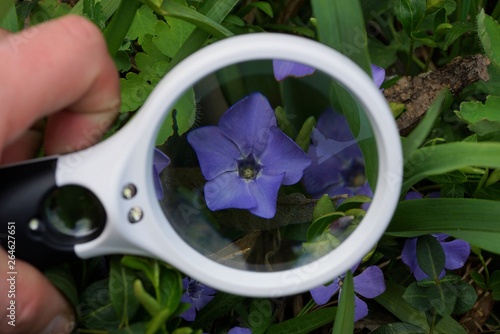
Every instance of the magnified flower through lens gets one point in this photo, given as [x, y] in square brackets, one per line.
[247, 158]
[160, 162]
[196, 294]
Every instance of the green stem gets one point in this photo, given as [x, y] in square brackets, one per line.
[120, 23]
[429, 59]
[410, 56]
[432, 325]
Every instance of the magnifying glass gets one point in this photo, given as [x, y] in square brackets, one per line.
[221, 171]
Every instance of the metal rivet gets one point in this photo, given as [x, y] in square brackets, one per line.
[34, 224]
[135, 214]
[129, 191]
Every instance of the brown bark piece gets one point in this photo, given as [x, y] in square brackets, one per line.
[418, 93]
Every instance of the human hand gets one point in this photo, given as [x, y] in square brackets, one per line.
[59, 86]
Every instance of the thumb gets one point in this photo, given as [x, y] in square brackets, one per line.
[29, 303]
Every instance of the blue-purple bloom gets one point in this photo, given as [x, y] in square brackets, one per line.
[247, 158]
[369, 284]
[196, 294]
[160, 162]
[456, 252]
[284, 68]
[239, 330]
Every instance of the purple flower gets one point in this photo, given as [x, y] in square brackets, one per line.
[247, 158]
[369, 284]
[239, 330]
[456, 252]
[337, 165]
[160, 162]
[283, 69]
[196, 294]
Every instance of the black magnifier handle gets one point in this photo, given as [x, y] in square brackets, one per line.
[41, 222]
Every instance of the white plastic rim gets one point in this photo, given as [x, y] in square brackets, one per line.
[154, 236]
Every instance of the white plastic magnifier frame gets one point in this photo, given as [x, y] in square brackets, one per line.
[126, 158]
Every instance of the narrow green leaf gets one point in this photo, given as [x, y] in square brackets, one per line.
[495, 285]
[157, 321]
[147, 301]
[344, 322]
[120, 24]
[430, 256]
[417, 137]
[306, 323]
[353, 202]
[319, 225]
[304, 137]
[399, 328]
[440, 159]
[473, 220]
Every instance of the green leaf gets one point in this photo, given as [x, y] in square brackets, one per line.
[466, 297]
[478, 279]
[430, 256]
[170, 290]
[92, 10]
[134, 91]
[221, 305]
[481, 118]
[62, 279]
[410, 13]
[453, 177]
[119, 25]
[306, 323]
[318, 226]
[489, 34]
[139, 263]
[284, 123]
[344, 321]
[96, 310]
[263, 6]
[416, 296]
[323, 207]
[304, 137]
[399, 328]
[442, 297]
[495, 285]
[8, 16]
[440, 159]
[137, 328]
[148, 302]
[171, 35]
[185, 116]
[260, 315]
[142, 24]
[121, 291]
[473, 220]
[392, 300]
[353, 202]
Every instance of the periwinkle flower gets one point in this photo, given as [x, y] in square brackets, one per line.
[160, 162]
[247, 158]
[456, 253]
[196, 294]
[239, 330]
[369, 284]
[284, 68]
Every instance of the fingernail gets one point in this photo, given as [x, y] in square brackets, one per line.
[61, 324]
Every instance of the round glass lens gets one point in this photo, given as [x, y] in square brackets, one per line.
[265, 165]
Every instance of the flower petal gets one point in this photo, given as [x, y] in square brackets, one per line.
[247, 124]
[216, 153]
[189, 314]
[360, 309]
[227, 191]
[282, 155]
[378, 74]
[203, 300]
[284, 68]
[264, 190]
[457, 251]
[409, 254]
[160, 160]
[322, 294]
[370, 283]
[239, 330]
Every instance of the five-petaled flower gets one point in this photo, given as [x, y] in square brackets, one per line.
[160, 162]
[196, 294]
[247, 158]
[456, 253]
[369, 284]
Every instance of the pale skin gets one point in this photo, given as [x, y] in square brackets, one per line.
[57, 83]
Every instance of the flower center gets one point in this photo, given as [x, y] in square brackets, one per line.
[248, 168]
[194, 289]
[354, 176]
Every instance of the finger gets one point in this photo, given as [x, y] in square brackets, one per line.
[62, 65]
[31, 301]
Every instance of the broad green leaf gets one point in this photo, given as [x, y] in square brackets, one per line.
[92, 10]
[344, 321]
[260, 315]
[392, 300]
[442, 297]
[481, 118]
[171, 35]
[134, 91]
[108, 7]
[473, 220]
[170, 290]
[466, 297]
[410, 13]
[142, 24]
[452, 191]
[323, 207]
[306, 323]
[440, 159]
[399, 328]
[137, 328]
[64, 281]
[489, 34]
[416, 296]
[221, 305]
[46, 10]
[495, 285]
[478, 279]
[96, 310]
[8, 16]
[319, 225]
[430, 256]
[121, 291]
